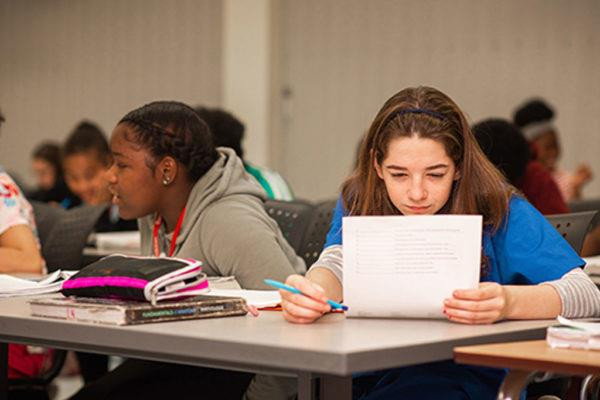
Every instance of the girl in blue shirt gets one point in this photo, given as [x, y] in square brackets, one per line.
[420, 158]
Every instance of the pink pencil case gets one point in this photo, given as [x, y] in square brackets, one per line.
[138, 278]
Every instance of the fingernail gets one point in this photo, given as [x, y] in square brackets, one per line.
[446, 302]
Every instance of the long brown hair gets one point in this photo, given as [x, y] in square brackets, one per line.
[427, 113]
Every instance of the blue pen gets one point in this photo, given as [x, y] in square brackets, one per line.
[279, 285]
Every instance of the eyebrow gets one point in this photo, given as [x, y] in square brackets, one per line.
[401, 168]
[117, 154]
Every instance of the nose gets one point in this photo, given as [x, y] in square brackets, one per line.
[111, 176]
[416, 191]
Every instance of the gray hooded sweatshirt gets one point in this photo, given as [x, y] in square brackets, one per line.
[226, 227]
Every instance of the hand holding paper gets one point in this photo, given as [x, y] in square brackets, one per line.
[483, 305]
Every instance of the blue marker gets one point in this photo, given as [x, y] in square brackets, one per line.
[279, 285]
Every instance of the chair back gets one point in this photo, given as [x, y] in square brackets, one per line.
[62, 235]
[587, 205]
[292, 217]
[316, 233]
[46, 217]
[63, 248]
[573, 226]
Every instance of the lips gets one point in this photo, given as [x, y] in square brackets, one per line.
[418, 209]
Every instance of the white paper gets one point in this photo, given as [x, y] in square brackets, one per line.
[589, 327]
[257, 298]
[115, 241]
[405, 266]
[592, 265]
[11, 286]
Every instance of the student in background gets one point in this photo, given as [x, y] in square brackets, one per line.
[19, 253]
[191, 199]
[535, 121]
[420, 158]
[228, 131]
[51, 186]
[506, 147]
[86, 159]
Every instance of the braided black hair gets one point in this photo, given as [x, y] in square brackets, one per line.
[536, 110]
[171, 128]
[504, 145]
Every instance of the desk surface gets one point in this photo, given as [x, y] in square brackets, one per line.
[534, 355]
[332, 345]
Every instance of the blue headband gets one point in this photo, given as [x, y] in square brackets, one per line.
[433, 114]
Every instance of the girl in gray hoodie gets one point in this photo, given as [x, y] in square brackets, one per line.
[192, 200]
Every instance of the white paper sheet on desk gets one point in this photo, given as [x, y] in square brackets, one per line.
[405, 266]
[257, 298]
[12, 286]
[128, 240]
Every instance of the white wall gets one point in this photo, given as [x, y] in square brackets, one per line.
[337, 60]
[61, 61]
[247, 71]
[344, 58]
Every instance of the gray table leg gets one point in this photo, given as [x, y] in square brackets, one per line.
[514, 383]
[3, 370]
[336, 387]
[306, 386]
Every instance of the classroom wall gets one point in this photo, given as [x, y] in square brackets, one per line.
[332, 64]
[344, 58]
[63, 60]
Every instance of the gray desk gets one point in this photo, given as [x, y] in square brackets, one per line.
[332, 348]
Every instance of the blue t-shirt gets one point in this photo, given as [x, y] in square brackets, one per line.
[527, 250]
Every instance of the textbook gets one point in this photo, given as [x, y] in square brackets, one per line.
[126, 312]
[574, 334]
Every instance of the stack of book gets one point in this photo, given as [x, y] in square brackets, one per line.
[574, 334]
[124, 312]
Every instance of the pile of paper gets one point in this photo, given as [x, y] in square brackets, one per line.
[257, 298]
[574, 334]
[118, 241]
[11, 286]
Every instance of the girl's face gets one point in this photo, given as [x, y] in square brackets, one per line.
[85, 174]
[45, 174]
[418, 175]
[548, 150]
[135, 188]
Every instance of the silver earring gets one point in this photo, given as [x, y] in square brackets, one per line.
[165, 181]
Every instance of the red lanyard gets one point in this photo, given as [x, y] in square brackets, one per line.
[157, 224]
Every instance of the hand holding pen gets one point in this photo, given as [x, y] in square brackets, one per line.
[303, 301]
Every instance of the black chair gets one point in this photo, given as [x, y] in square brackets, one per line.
[292, 217]
[63, 235]
[573, 226]
[46, 218]
[63, 248]
[315, 235]
[587, 205]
